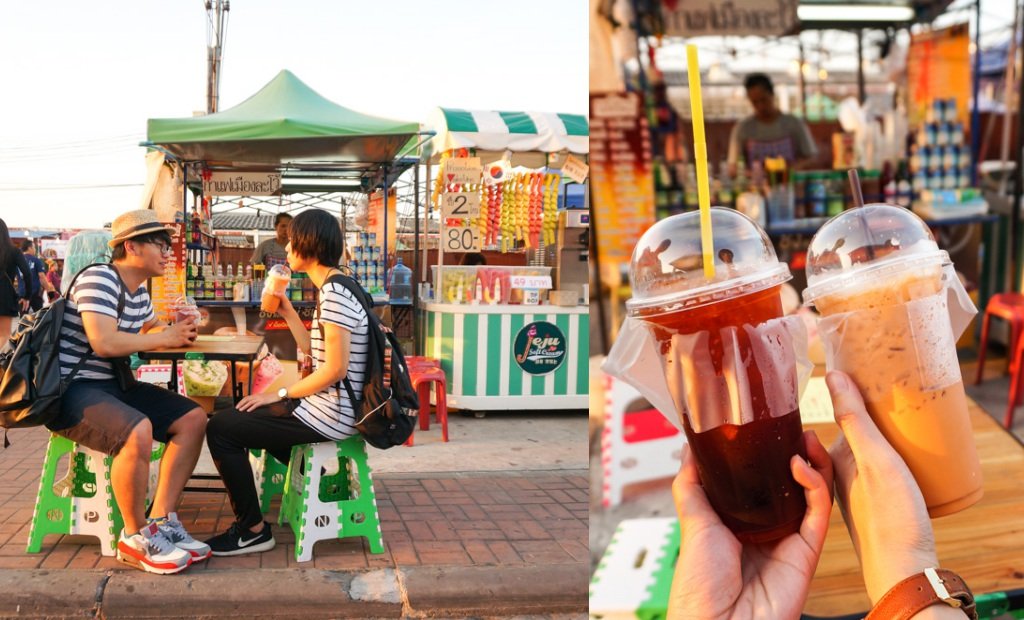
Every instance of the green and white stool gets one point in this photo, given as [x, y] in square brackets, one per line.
[635, 575]
[329, 494]
[269, 475]
[83, 502]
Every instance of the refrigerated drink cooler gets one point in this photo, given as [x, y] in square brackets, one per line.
[571, 252]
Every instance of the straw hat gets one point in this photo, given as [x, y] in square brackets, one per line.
[135, 223]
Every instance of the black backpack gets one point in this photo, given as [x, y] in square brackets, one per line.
[383, 415]
[31, 385]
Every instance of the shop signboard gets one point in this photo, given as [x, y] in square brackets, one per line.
[539, 348]
[575, 169]
[242, 184]
[939, 68]
[621, 175]
[463, 170]
[375, 216]
[53, 248]
[695, 18]
[170, 286]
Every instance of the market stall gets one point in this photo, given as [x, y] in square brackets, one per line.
[285, 140]
[517, 336]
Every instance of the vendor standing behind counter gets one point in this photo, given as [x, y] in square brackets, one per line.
[769, 132]
[272, 251]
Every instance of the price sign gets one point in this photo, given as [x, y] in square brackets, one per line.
[531, 282]
[462, 205]
[575, 169]
[463, 170]
[461, 239]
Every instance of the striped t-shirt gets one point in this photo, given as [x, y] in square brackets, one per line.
[329, 412]
[98, 289]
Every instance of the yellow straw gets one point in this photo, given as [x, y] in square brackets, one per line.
[700, 158]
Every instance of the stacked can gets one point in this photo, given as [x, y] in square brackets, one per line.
[940, 159]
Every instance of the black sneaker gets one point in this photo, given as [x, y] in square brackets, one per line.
[239, 540]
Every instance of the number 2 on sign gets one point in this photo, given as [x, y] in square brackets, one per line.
[462, 239]
[463, 205]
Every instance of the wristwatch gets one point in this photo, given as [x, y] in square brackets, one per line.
[935, 586]
[283, 394]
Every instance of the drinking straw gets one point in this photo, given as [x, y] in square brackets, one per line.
[700, 158]
[858, 201]
[858, 196]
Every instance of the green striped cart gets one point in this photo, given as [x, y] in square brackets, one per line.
[487, 370]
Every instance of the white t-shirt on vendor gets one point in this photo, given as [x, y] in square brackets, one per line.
[329, 412]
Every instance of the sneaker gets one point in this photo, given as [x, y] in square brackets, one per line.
[152, 552]
[175, 532]
[239, 540]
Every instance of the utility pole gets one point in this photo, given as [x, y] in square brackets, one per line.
[216, 23]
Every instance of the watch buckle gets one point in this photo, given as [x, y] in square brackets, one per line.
[939, 587]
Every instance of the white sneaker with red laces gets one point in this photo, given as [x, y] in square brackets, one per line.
[151, 551]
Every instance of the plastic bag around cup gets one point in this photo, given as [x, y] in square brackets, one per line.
[912, 342]
[686, 381]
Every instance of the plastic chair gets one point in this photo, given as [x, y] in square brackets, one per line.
[82, 503]
[343, 503]
[1010, 308]
[422, 377]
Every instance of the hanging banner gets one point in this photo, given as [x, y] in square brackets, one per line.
[242, 184]
[375, 216]
[163, 290]
[621, 176]
[939, 67]
[695, 18]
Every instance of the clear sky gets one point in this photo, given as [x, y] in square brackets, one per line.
[80, 78]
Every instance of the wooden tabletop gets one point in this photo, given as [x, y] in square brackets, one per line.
[237, 348]
[984, 543]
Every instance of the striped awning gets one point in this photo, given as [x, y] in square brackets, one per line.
[490, 130]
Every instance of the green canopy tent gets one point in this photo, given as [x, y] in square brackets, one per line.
[285, 124]
[316, 144]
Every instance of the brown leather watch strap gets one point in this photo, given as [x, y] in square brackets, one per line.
[933, 587]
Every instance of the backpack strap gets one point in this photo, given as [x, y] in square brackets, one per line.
[360, 297]
[120, 309]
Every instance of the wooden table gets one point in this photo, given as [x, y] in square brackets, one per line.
[232, 349]
[984, 543]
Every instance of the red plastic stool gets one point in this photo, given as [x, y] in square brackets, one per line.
[1010, 308]
[422, 377]
[1016, 383]
[419, 360]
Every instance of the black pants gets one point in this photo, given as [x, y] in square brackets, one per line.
[232, 433]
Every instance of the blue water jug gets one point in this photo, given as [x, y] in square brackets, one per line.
[400, 289]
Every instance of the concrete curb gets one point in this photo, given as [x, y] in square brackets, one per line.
[453, 591]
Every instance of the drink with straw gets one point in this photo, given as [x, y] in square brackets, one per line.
[710, 301]
[883, 286]
[730, 366]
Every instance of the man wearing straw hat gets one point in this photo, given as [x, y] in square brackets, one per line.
[109, 316]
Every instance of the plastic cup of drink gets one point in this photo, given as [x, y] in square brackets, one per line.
[184, 308]
[879, 267]
[743, 447]
[278, 279]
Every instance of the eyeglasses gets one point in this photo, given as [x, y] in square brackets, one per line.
[162, 247]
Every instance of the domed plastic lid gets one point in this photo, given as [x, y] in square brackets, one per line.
[860, 245]
[667, 269]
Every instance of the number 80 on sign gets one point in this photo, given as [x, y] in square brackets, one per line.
[461, 239]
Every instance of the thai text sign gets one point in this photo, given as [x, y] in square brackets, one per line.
[242, 184]
[463, 170]
[694, 18]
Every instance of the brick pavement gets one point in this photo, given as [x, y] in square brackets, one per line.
[464, 519]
